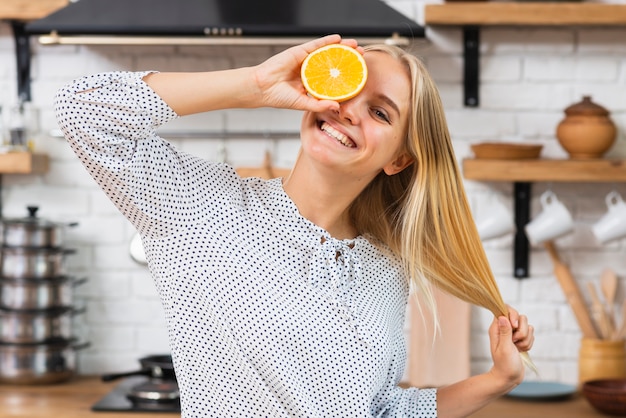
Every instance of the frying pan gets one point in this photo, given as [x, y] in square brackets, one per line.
[159, 366]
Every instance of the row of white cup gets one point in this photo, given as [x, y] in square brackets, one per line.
[554, 221]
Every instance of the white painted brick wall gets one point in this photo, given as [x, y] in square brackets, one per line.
[528, 76]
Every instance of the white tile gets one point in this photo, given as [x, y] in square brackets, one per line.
[528, 77]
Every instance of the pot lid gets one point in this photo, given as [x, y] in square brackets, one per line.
[586, 107]
[31, 220]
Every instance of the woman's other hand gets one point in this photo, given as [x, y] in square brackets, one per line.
[509, 336]
[278, 78]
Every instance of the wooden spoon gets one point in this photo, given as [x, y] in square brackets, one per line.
[620, 333]
[608, 283]
[599, 313]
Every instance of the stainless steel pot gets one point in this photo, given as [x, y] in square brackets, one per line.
[38, 363]
[34, 263]
[35, 327]
[28, 294]
[32, 231]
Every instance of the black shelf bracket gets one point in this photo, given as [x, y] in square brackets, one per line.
[471, 65]
[23, 56]
[521, 247]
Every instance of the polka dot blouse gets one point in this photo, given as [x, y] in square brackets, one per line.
[267, 315]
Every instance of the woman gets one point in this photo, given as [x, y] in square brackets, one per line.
[286, 298]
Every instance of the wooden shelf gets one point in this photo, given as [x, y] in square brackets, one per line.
[29, 9]
[23, 163]
[472, 16]
[600, 170]
[523, 172]
[527, 14]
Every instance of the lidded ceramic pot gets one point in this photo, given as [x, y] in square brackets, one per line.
[587, 131]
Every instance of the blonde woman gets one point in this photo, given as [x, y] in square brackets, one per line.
[286, 298]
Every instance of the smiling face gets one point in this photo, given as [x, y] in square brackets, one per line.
[367, 134]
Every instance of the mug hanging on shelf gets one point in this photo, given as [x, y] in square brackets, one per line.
[494, 222]
[612, 225]
[554, 221]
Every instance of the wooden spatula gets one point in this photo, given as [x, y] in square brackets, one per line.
[267, 171]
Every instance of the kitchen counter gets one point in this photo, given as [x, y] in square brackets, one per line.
[574, 407]
[73, 399]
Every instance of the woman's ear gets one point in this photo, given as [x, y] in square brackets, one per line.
[401, 162]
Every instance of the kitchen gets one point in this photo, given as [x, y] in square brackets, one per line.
[528, 76]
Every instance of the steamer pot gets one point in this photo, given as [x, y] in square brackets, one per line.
[34, 263]
[38, 363]
[31, 294]
[32, 231]
[35, 327]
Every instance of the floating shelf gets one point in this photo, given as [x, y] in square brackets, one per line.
[600, 170]
[23, 163]
[523, 172]
[29, 9]
[525, 14]
[471, 16]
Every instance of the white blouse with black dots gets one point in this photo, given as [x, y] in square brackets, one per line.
[268, 315]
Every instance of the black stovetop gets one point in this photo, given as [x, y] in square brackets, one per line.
[116, 400]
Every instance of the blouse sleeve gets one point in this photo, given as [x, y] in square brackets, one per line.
[396, 402]
[110, 121]
[411, 402]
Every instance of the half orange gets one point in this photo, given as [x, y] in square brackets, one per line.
[334, 72]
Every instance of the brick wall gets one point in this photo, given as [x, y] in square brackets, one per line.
[528, 77]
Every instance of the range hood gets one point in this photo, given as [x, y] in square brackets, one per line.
[244, 22]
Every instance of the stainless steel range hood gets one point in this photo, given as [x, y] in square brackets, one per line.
[231, 22]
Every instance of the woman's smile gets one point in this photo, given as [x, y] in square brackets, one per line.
[337, 135]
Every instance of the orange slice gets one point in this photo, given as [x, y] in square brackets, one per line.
[334, 72]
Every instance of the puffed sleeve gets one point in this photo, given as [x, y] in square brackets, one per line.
[110, 120]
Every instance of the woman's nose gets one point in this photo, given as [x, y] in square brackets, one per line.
[348, 110]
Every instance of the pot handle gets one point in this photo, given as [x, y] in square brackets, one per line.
[78, 282]
[80, 346]
[110, 377]
[69, 251]
[78, 311]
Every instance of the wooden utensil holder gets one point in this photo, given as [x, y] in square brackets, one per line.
[601, 359]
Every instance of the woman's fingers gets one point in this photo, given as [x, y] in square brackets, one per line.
[513, 316]
[524, 336]
[523, 333]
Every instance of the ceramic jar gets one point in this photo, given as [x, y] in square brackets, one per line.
[587, 131]
[601, 359]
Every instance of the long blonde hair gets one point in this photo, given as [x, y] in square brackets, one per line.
[422, 213]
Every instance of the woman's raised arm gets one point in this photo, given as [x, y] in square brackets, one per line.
[273, 83]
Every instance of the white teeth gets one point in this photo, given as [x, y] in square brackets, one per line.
[333, 133]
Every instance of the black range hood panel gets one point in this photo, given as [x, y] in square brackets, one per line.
[201, 18]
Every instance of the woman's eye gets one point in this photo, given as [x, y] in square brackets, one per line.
[381, 115]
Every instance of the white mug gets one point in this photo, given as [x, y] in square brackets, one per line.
[553, 222]
[495, 222]
[613, 224]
